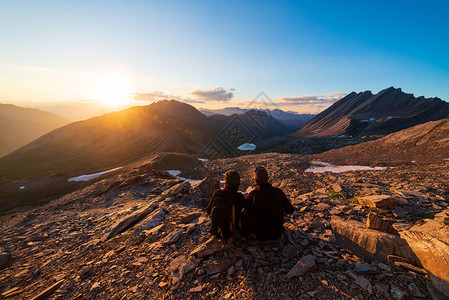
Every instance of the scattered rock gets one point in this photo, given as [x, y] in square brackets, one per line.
[4, 259]
[364, 283]
[365, 269]
[378, 201]
[321, 207]
[190, 217]
[411, 267]
[209, 247]
[214, 267]
[414, 291]
[196, 289]
[172, 237]
[47, 292]
[397, 293]
[382, 289]
[303, 266]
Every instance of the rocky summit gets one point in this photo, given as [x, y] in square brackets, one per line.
[144, 234]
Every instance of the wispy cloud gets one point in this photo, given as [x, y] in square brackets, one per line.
[158, 96]
[217, 94]
[313, 100]
[151, 96]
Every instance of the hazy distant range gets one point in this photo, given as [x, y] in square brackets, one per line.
[291, 120]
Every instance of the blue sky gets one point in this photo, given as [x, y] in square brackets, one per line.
[220, 53]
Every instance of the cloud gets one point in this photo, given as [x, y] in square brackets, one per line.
[158, 96]
[191, 101]
[217, 93]
[313, 100]
[154, 96]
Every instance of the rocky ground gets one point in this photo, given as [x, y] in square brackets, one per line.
[144, 234]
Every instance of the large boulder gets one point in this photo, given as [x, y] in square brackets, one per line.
[430, 243]
[367, 243]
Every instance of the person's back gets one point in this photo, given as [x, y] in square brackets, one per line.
[225, 207]
[269, 205]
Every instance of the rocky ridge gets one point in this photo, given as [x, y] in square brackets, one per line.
[145, 234]
[388, 111]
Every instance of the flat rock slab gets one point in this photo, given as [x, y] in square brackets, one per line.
[304, 265]
[367, 243]
[378, 201]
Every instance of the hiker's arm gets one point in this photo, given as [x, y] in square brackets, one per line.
[286, 205]
[209, 207]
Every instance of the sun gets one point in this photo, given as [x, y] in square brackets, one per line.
[114, 89]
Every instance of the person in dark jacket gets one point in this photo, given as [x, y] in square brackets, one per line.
[230, 191]
[268, 205]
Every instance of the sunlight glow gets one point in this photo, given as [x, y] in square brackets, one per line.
[114, 89]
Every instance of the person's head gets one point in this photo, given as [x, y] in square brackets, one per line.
[232, 180]
[260, 175]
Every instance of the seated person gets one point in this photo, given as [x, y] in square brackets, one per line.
[267, 207]
[225, 208]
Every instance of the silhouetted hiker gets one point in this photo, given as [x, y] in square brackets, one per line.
[267, 207]
[225, 207]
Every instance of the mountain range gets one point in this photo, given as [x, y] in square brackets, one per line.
[291, 120]
[120, 137]
[364, 113]
[19, 126]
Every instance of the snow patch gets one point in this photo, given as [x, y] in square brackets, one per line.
[203, 159]
[91, 176]
[247, 147]
[176, 174]
[322, 167]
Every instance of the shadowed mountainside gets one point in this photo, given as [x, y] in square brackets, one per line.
[424, 143]
[19, 126]
[363, 113]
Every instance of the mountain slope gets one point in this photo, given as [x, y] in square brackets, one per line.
[424, 143]
[19, 126]
[117, 138]
[363, 113]
[111, 139]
